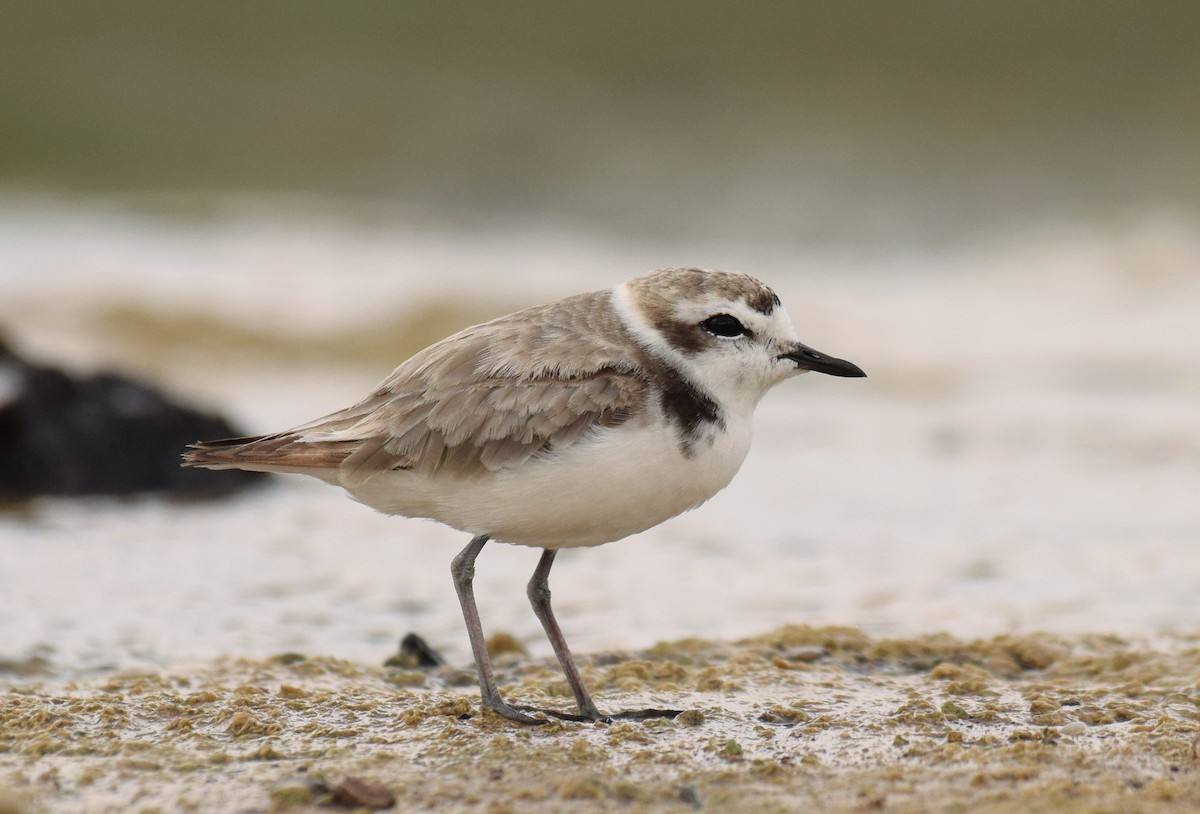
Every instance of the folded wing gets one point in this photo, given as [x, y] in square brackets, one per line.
[488, 398]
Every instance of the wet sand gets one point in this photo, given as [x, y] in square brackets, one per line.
[798, 719]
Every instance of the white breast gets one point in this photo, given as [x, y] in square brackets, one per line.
[622, 481]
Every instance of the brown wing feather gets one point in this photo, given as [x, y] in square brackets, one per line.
[487, 398]
[283, 449]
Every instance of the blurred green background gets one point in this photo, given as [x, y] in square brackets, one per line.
[809, 121]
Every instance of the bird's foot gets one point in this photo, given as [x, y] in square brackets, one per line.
[566, 716]
[599, 717]
[645, 714]
[519, 713]
[516, 714]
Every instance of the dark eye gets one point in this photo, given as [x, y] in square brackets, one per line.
[724, 325]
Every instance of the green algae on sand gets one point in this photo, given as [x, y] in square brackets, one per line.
[798, 719]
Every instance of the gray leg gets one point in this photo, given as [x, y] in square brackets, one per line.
[539, 597]
[463, 571]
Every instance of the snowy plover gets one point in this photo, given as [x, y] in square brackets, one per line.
[564, 425]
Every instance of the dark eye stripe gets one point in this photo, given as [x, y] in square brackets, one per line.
[724, 325]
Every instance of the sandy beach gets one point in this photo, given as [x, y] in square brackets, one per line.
[799, 719]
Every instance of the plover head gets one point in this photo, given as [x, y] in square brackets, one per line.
[728, 332]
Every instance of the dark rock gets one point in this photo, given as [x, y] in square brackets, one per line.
[415, 653]
[426, 656]
[103, 434]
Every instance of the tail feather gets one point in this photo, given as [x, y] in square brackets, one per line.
[280, 452]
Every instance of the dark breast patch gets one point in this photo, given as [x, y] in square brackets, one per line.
[685, 405]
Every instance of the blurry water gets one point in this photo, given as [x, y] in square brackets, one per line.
[870, 120]
[1024, 454]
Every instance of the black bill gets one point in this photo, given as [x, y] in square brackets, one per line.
[808, 359]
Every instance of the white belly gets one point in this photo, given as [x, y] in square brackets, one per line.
[624, 481]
